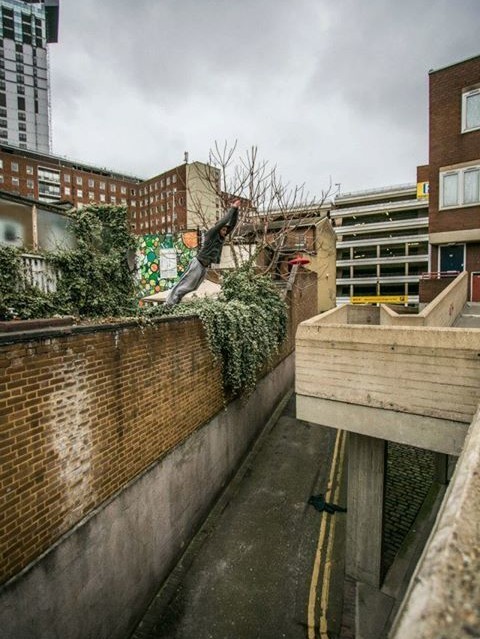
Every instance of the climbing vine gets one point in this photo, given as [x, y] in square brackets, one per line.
[94, 277]
[18, 298]
[245, 326]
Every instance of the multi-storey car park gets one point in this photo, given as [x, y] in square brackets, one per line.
[382, 243]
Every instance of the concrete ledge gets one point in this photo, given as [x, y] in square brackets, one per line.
[440, 435]
[444, 593]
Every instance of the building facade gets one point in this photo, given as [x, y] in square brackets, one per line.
[382, 244]
[183, 198]
[454, 170]
[26, 29]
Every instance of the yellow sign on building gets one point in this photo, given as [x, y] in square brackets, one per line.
[379, 299]
[422, 190]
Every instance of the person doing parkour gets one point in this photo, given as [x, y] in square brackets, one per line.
[209, 253]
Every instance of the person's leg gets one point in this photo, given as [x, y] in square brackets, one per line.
[190, 281]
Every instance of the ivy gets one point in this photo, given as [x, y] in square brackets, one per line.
[245, 326]
[17, 297]
[95, 280]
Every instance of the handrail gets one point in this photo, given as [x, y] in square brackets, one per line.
[438, 275]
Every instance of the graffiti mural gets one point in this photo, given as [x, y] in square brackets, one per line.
[162, 260]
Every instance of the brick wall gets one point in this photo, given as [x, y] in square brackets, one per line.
[85, 410]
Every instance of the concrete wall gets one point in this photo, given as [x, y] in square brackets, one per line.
[409, 384]
[96, 581]
[444, 593]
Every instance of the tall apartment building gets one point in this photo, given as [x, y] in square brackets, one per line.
[454, 170]
[382, 243]
[26, 29]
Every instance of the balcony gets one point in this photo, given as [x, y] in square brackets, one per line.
[365, 369]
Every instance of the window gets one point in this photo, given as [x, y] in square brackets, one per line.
[79, 193]
[14, 167]
[66, 178]
[102, 197]
[471, 110]
[123, 190]
[460, 187]
[66, 190]
[91, 183]
[102, 188]
[15, 181]
[79, 180]
[30, 184]
[471, 183]
[91, 195]
[113, 188]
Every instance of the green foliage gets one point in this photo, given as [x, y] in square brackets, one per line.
[96, 281]
[95, 278]
[245, 326]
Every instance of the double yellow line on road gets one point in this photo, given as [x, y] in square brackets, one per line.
[332, 494]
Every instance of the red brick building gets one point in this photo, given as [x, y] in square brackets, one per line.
[181, 198]
[454, 170]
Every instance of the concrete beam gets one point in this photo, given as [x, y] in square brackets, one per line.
[431, 433]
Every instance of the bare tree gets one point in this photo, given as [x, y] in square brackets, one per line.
[272, 212]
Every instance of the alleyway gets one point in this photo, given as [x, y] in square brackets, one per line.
[248, 573]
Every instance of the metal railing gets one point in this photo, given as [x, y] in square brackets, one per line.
[438, 275]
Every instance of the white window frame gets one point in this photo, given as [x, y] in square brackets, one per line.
[465, 96]
[460, 174]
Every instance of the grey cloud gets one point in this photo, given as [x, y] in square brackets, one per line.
[324, 87]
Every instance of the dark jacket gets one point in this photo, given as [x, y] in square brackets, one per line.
[211, 250]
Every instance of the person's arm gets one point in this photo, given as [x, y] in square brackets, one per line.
[229, 219]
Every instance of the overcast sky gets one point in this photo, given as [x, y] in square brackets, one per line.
[327, 89]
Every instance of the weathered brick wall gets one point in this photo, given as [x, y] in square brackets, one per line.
[85, 410]
[84, 413]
